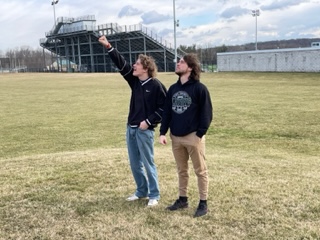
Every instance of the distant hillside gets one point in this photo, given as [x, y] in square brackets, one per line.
[292, 43]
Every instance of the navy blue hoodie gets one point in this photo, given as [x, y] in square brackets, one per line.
[188, 109]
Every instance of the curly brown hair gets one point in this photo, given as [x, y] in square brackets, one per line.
[193, 62]
[148, 63]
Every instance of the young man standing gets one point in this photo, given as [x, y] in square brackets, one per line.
[146, 107]
[188, 114]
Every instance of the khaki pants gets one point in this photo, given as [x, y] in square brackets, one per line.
[183, 147]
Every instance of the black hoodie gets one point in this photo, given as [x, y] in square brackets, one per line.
[188, 109]
[147, 97]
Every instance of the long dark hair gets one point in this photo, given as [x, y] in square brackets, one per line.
[193, 62]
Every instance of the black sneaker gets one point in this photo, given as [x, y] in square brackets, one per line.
[177, 205]
[201, 210]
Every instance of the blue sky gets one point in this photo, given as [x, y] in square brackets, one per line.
[205, 23]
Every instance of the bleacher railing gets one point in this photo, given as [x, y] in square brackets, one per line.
[115, 28]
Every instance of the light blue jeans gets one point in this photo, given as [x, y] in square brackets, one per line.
[140, 145]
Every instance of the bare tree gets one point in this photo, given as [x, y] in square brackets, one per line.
[28, 59]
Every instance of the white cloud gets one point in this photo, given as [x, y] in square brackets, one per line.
[201, 22]
[129, 11]
[154, 17]
[283, 4]
[234, 12]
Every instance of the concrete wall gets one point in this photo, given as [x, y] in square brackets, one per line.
[279, 60]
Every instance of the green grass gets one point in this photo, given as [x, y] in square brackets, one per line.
[64, 169]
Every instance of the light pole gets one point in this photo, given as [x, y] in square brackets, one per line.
[53, 3]
[175, 25]
[255, 13]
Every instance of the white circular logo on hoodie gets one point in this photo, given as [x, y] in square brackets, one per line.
[180, 102]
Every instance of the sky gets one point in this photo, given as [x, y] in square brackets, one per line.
[204, 23]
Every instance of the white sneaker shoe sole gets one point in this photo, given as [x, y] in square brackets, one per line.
[134, 198]
[153, 202]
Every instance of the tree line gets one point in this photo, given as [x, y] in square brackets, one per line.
[25, 59]
[39, 60]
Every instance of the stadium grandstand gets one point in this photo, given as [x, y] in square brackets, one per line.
[75, 41]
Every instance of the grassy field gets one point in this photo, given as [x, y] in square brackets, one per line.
[64, 169]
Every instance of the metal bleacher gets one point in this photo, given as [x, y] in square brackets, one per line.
[76, 40]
